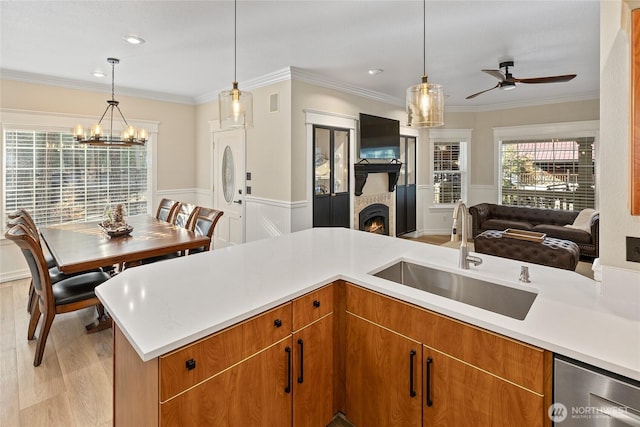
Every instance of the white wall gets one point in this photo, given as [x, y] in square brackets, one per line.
[616, 222]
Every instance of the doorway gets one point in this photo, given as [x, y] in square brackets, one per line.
[331, 163]
[229, 185]
[406, 187]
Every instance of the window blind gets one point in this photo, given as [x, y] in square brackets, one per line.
[548, 173]
[447, 174]
[58, 180]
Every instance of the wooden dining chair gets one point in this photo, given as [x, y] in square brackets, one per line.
[23, 213]
[70, 294]
[166, 210]
[54, 272]
[185, 215]
[204, 224]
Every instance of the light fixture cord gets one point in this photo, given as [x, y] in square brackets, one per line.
[424, 37]
[113, 81]
[235, 39]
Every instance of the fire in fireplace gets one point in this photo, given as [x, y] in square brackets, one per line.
[375, 219]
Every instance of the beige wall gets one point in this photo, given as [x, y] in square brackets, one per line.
[268, 154]
[616, 220]
[176, 132]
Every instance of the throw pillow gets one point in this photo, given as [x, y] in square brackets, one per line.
[583, 220]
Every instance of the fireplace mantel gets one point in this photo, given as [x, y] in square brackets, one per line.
[363, 169]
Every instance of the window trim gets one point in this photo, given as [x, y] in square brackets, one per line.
[11, 119]
[463, 136]
[586, 128]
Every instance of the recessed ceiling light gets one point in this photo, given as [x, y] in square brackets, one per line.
[129, 38]
[375, 71]
[98, 73]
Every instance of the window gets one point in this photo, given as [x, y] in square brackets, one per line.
[58, 180]
[556, 172]
[450, 168]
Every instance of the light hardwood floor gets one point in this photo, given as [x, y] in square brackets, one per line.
[72, 386]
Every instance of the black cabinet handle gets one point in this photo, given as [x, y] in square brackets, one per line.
[277, 323]
[316, 303]
[412, 355]
[287, 389]
[429, 362]
[191, 364]
[301, 377]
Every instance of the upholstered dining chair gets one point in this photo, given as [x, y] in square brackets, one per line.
[184, 215]
[23, 213]
[166, 210]
[204, 224]
[54, 273]
[70, 294]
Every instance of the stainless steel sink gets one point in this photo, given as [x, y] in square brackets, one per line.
[499, 299]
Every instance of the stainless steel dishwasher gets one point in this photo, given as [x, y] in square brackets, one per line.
[585, 396]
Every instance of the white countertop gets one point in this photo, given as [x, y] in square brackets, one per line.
[165, 305]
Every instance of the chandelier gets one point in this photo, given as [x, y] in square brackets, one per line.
[425, 101]
[99, 136]
[235, 108]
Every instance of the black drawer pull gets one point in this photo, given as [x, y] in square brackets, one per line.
[287, 389]
[316, 303]
[429, 362]
[191, 364]
[277, 323]
[412, 391]
[301, 377]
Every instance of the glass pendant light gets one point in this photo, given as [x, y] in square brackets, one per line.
[425, 101]
[235, 107]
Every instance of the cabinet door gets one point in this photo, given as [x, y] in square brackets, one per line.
[458, 394]
[252, 393]
[381, 390]
[313, 374]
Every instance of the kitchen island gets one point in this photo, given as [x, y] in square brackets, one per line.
[160, 308]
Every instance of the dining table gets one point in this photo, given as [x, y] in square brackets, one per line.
[83, 246]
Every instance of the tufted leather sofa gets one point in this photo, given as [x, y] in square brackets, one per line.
[489, 216]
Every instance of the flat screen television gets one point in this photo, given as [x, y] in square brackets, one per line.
[379, 137]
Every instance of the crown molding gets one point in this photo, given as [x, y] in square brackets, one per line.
[588, 96]
[299, 74]
[284, 74]
[278, 76]
[329, 83]
[22, 76]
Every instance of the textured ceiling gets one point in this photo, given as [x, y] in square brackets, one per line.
[189, 44]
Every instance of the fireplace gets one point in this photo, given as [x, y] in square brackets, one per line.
[374, 219]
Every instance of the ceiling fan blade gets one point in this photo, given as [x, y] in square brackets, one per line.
[495, 73]
[480, 93]
[551, 79]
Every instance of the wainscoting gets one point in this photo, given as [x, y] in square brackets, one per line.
[269, 218]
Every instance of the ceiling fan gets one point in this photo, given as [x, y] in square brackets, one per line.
[507, 81]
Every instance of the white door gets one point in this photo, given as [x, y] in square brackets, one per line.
[229, 180]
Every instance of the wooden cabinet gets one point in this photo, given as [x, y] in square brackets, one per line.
[383, 376]
[231, 378]
[473, 374]
[256, 391]
[460, 394]
[313, 345]
[339, 348]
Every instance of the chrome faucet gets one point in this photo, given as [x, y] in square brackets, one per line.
[465, 258]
